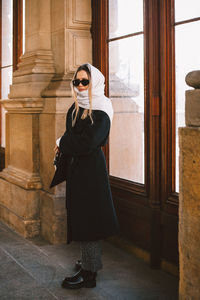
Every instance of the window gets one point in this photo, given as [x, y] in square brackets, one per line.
[126, 89]
[145, 49]
[6, 57]
[10, 52]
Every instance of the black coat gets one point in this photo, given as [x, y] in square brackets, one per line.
[90, 211]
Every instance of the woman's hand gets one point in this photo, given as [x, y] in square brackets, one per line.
[56, 149]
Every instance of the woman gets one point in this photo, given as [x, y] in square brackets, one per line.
[90, 212]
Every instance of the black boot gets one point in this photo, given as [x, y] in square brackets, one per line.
[81, 279]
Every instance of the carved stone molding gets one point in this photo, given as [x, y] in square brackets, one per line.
[39, 61]
[24, 105]
[79, 48]
[192, 103]
[59, 86]
[57, 106]
[79, 14]
[35, 71]
[21, 178]
[193, 79]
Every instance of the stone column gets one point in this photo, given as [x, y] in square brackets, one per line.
[20, 181]
[189, 197]
[57, 41]
[72, 46]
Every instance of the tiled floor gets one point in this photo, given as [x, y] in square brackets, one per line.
[34, 270]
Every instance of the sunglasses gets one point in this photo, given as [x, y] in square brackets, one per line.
[84, 82]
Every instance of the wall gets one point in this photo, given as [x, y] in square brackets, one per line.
[189, 206]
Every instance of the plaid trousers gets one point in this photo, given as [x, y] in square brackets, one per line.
[91, 253]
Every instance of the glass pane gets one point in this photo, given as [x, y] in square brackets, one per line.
[125, 16]
[23, 48]
[6, 80]
[7, 29]
[126, 90]
[187, 59]
[3, 129]
[185, 9]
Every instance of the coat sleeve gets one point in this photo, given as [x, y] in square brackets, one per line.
[85, 142]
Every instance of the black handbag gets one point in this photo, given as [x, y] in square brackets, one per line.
[61, 161]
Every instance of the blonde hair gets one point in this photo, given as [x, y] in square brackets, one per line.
[86, 112]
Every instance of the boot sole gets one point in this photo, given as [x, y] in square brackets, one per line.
[89, 284]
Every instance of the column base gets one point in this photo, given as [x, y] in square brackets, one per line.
[21, 178]
[53, 218]
[19, 209]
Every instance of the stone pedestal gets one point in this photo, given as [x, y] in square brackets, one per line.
[189, 196]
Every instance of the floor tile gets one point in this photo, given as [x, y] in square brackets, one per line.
[34, 269]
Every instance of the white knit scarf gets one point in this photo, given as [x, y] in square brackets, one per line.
[99, 100]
